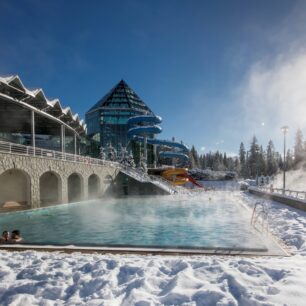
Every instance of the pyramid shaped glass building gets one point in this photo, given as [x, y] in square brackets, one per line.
[107, 119]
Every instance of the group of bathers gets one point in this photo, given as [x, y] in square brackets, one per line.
[8, 237]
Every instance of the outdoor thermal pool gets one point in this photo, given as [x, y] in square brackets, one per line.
[208, 220]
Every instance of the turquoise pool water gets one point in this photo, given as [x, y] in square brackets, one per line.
[214, 220]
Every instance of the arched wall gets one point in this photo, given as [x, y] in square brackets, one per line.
[15, 186]
[34, 168]
[75, 188]
[50, 188]
[94, 186]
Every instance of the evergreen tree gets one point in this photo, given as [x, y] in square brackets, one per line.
[247, 165]
[225, 161]
[279, 161]
[242, 160]
[262, 162]
[289, 160]
[203, 162]
[253, 160]
[272, 166]
[298, 148]
[194, 158]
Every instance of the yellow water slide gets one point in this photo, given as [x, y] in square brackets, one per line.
[177, 176]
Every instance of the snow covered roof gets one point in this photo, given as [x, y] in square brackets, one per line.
[13, 87]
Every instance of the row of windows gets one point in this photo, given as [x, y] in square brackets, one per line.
[118, 95]
[114, 105]
[124, 90]
[114, 134]
[117, 113]
[124, 98]
[93, 126]
[116, 100]
[138, 105]
[114, 120]
[92, 121]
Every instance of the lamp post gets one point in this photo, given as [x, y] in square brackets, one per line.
[285, 130]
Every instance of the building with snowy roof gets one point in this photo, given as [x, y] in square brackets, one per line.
[28, 117]
[107, 119]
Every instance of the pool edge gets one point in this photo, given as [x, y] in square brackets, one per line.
[144, 251]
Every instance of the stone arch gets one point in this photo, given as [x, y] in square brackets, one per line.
[75, 187]
[15, 188]
[94, 186]
[108, 179]
[50, 188]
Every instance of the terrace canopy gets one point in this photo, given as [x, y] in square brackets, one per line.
[29, 118]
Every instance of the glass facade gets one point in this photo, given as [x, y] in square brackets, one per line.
[107, 119]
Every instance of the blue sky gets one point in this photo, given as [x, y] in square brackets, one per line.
[216, 71]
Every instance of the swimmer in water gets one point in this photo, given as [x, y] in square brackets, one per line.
[5, 237]
[15, 237]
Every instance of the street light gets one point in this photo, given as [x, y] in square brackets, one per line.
[285, 130]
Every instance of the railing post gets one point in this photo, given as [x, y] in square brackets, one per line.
[75, 144]
[33, 130]
[63, 138]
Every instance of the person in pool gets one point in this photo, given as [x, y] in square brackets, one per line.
[15, 237]
[5, 237]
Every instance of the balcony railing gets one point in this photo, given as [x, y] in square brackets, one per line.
[287, 192]
[12, 148]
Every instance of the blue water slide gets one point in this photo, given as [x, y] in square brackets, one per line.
[169, 154]
[144, 130]
[164, 143]
[148, 127]
[144, 119]
[168, 143]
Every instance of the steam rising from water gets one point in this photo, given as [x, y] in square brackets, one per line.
[273, 90]
[276, 94]
[295, 180]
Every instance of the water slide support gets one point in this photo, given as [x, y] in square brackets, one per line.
[145, 151]
[155, 155]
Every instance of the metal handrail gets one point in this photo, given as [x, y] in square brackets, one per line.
[288, 192]
[144, 177]
[260, 216]
[161, 181]
[13, 148]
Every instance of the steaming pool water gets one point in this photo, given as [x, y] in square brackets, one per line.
[213, 220]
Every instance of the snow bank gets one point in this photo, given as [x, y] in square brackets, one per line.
[41, 278]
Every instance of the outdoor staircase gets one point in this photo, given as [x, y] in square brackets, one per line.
[142, 177]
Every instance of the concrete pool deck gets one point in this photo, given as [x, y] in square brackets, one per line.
[276, 250]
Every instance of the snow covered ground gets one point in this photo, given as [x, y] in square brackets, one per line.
[42, 278]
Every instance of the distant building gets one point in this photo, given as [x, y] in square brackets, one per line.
[107, 120]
